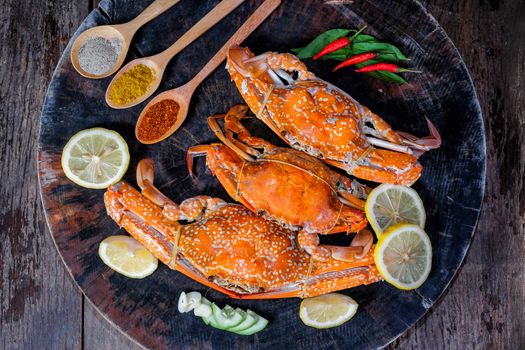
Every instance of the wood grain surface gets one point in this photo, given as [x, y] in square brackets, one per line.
[39, 305]
[484, 307]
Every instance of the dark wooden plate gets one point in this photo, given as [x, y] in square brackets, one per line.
[452, 184]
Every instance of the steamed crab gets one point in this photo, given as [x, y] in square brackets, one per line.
[314, 116]
[227, 247]
[289, 187]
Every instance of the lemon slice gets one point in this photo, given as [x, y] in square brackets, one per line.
[95, 158]
[403, 256]
[326, 311]
[127, 256]
[388, 205]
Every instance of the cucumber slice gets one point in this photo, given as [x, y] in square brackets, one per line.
[206, 320]
[204, 309]
[234, 320]
[243, 317]
[227, 317]
[257, 327]
[211, 321]
[248, 321]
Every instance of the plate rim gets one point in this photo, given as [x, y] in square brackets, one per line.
[85, 24]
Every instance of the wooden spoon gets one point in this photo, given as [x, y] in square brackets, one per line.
[159, 61]
[182, 95]
[123, 32]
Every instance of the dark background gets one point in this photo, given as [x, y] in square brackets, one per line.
[40, 308]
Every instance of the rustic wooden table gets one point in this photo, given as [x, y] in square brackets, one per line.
[40, 307]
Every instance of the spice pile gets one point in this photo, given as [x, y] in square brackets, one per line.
[158, 119]
[99, 55]
[131, 85]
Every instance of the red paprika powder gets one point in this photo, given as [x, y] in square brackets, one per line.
[158, 119]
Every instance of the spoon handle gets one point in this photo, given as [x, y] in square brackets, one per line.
[212, 18]
[240, 35]
[153, 10]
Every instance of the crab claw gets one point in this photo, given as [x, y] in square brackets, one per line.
[272, 67]
[421, 145]
[244, 62]
[359, 247]
[145, 177]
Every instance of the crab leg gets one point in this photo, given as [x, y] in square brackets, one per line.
[353, 193]
[141, 218]
[238, 111]
[348, 279]
[350, 220]
[352, 201]
[228, 135]
[232, 124]
[145, 176]
[242, 146]
[310, 243]
[326, 277]
[271, 63]
[245, 148]
[137, 208]
[228, 186]
[389, 145]
[358, 248]
[244, 136]
[382, 127]
[390, 167]
[383, 135]
[212, 122]
[425, 143]
[190, 209]
[400, 141]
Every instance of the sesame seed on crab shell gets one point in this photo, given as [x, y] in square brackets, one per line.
[226, 230]
[271, 261]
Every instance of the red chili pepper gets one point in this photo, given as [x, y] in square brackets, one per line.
[384, 66]
[333, 46]
[355, 60]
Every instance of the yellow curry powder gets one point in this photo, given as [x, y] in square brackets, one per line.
[131, 85]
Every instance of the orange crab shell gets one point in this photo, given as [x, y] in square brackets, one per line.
[261, 255]
[316, 117]
[309, 110]
[285, 185]
[238, 251]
